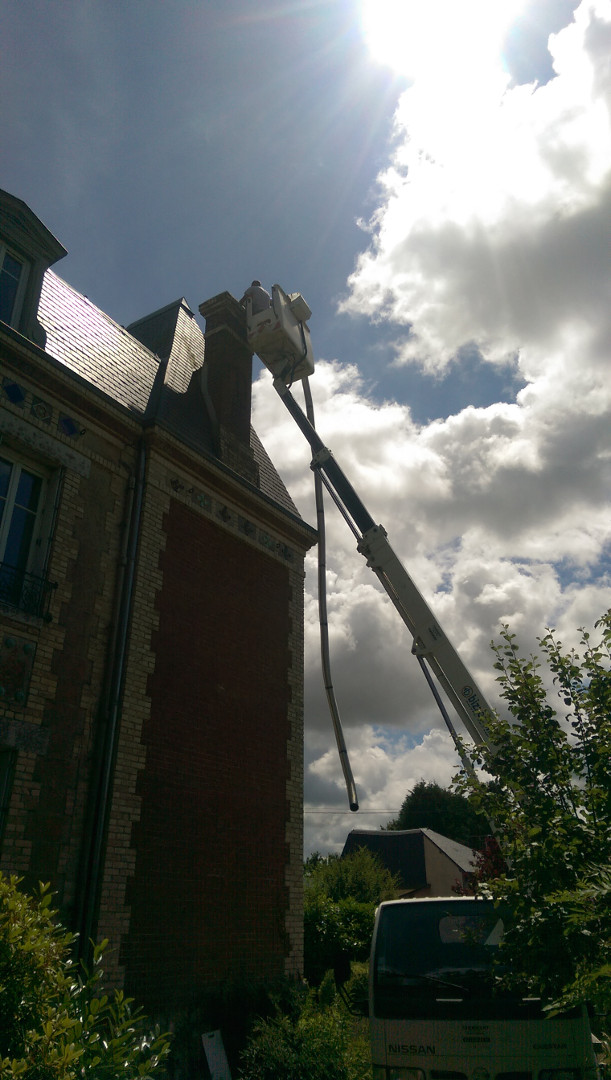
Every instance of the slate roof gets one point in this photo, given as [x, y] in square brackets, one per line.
[402, 852]
[92, 345]
[403, 857]
[463, 856]
[152, 368]
[271, 484]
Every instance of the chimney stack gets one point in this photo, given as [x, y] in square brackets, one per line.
[227, 372]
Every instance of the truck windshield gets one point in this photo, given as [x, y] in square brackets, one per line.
[435, 951]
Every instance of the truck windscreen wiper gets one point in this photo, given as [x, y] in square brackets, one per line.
[419, 976]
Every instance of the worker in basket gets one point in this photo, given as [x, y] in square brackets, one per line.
[261, 300]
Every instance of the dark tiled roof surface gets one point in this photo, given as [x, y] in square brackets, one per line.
[271, 483]
[152, 368]
[402, 852]
[174, 336]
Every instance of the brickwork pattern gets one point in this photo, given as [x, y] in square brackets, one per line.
[209, 894]
[115, 912]
[293, 965]
[202, 873]
[44, 832]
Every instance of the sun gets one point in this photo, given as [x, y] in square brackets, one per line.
[422, 39]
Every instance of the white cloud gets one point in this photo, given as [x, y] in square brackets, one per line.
[494, 221]
[492, 529]
[385, 770]
[491, 232]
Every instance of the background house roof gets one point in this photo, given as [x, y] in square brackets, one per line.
[463, 856]
[403, 852]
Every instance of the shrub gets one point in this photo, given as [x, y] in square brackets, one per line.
[359, 876]
[319, 1044]
[231, 1008]
[55, 1022]
[341, 895]
[332, 930]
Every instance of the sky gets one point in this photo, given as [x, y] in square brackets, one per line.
[435, 178]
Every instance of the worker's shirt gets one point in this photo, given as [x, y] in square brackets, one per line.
[261, 299]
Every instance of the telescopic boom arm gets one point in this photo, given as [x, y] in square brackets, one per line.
[281, 339]
[430, 642]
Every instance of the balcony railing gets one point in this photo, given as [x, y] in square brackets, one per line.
[28, 593]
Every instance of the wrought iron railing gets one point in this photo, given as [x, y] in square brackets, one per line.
[29, 593]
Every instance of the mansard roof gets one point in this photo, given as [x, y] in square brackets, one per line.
[152, 368]
[21, 227]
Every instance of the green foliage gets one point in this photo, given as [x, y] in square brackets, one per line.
[32, 968]
[429, 806]
[321, 1043]
[341, 896]
[359, 876]
[314, 860]
[550, 797]
[231, 1008]
[57, 1024]
[334, 928]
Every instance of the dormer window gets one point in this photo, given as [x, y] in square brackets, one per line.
[27, 250]
[13, 274]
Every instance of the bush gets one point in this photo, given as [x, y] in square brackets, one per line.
[231, 1008]
[55, 1022]
[319, 1044]
[334, 929]
[360, 876]
[341, 896]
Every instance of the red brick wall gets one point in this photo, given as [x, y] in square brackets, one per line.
[208, 898]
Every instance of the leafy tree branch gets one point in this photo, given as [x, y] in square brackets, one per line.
[549, 794]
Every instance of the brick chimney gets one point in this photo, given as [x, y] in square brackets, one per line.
[227, 375]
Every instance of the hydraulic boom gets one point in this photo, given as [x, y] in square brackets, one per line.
[288, 355]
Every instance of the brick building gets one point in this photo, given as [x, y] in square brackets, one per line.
[151, 633]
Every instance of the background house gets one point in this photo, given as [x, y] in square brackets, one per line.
[151, 634]
[426, 863]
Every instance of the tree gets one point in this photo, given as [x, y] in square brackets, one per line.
[341, 895]
[360, 876]
[550, 799]
[56, 1023]
[429, 806]
[313, 860]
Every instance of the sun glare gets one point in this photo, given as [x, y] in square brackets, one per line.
[436, 38]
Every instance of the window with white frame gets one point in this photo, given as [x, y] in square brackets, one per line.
[13, 274]
[24, 514]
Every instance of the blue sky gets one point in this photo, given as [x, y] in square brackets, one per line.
[437, 183]
[181, 146]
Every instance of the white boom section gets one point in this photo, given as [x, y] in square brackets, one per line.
[430, 641]
[283, 358]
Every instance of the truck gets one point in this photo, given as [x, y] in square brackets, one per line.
[435, 1013]
[432, 1011]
